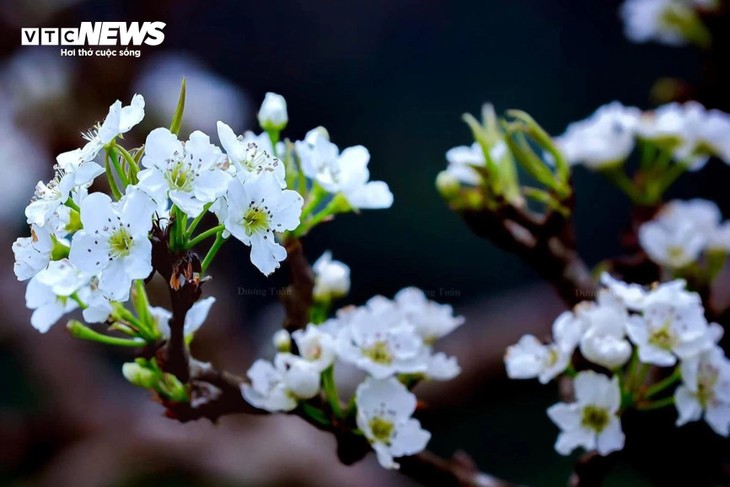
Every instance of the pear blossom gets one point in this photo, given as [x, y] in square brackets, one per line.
[691, 131]
[384, 410]
[118, 121]
[32, 254]
[194, 318]
[604, 139]
[705, 391]
[189, 173]
[378, 341]
[279, 385]
[48, 293]
[250, 155]
[257, 208]
[114, 242]
[98, 308]
[656, 20]
[331, 278]
[315, 346]
[431, 320]
[463, 161]
[345, 173]
[604, 340]
[48, 198]
[530, 358]
[281, 340]
[591, 421]
[667, 330]
[272, 114]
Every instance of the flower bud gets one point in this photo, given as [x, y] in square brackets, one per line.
[332, 278]
[282, 341]
[447, 184]
[272, 114]
[302, 379]
[139, 375]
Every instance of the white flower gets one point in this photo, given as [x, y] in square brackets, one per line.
[98, 307]
[691, 131]
[378, 341]
[667, 330]
[194, 318]
[315, 346]
[48, 198]
[48, 293]
[114, 242]
[281, 341]
[255, 210]
[331, 278]
[591, 421]
[705, 390]
[118, 121]
[272, 114]
[190, 174]
[76, 164]
[384, 410]
[33, 253]
[430, 319]
[278, 386]
[250, 155]
[604, 139]
[463, 159]
[530, 358]
[603, 341]
[346, 173]
[671, 242]
[655, 20]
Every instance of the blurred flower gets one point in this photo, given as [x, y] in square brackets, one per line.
[463, 161]
[604, 139]
[272, 114]
[604, 341]
[315, 346]
[530, 358]
[705, 390]
[384, 410]
[591, 421]
[278, 386]
[671, 22]
[281, 341]
[331, 278]
[160, 77]
[431, 320]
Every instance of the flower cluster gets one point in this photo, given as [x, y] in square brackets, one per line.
[684, 231]
[390, 340]
[671, 22]
[621, 335]
[87, 249]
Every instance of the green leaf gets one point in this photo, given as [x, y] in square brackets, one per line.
[177, 118]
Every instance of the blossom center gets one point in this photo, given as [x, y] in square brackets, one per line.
[595, 418]
[379, 353]
[120, 242]
[180, 176]
[662, 337]
[382, 429]
[255, 221]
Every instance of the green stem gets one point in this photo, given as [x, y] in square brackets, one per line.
[219, 241]
[85, 333]
[196, 221]
[142, 305]
[316, 195]
[314, 414]
[661, 403]
[110, 178]
[663, 384]
[72, 204]
[118, 167]
[315, 220]
[206, 234]
[330, 390]
[134, 168]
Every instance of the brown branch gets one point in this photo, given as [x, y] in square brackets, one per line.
[548, 246]
[297, 296]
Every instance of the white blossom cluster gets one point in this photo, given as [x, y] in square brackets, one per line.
[670, 22]
[86, 249]
[689, 132]
[391, 341]
[683, 231]
[662, 326]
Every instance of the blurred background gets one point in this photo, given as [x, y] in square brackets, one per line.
[392, 75]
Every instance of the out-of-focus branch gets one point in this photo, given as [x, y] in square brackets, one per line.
[297, 296]
[546, 243]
